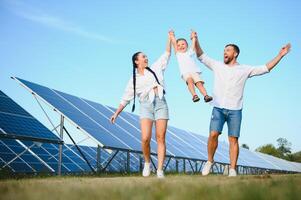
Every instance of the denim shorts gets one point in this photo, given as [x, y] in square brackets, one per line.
[158, 109]
[232, 117]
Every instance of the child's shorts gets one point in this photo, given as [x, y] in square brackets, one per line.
[196, 77]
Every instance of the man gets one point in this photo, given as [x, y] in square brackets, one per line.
[229, 82]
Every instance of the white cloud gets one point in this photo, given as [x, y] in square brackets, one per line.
[33, 14]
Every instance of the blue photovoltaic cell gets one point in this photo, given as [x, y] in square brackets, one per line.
[125, 133]
[74, 114]
[14, 120]
[26, 163]
[132, 142]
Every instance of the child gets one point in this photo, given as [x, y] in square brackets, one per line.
[189, 70]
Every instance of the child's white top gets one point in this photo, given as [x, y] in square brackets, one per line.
[145, 83]
[229, 82]
[187, 62]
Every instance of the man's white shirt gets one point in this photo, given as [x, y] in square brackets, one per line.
[229, 81]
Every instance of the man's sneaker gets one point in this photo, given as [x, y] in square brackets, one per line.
[207, 168]
[232, 173]
[207, 98]
[146, 170]
[160, 174]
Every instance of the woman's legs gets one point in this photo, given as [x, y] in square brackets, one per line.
[146, 134]
[161, 125]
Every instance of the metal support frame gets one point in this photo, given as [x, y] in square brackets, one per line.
[128, 157]
[17, 156]
[140, 163]
[191, 166]
[31, 152]
[167, 163]
[79, 150]
[110, 160]
[153, 163]
[59, 170]
[98, 159]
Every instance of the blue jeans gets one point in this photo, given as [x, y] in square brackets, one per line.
[232, 117]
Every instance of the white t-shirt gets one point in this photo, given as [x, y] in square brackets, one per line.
[145, 83]
[187, 62]
[229, 82]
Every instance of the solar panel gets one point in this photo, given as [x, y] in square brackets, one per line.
[93, 119]
[15, 122]
[16, 157]
[279, 163]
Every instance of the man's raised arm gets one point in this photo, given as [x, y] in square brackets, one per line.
[284, 50]
[198, 50]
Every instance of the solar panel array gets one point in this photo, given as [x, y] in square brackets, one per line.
[93, 119]
[15, 122]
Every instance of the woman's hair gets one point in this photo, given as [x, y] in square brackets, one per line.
[134, 58]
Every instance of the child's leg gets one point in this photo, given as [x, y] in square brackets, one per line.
[190, 85]
[201, 87]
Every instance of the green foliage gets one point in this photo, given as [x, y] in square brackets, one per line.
[284, 146]
[269, 149]
[283, 151]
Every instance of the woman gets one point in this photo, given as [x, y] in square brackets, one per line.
[148, 84]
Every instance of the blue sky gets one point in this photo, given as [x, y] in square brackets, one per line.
[84, 48]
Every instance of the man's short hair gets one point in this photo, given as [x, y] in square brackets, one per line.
[236, 48]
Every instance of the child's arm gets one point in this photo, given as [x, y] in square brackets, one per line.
[173, 40]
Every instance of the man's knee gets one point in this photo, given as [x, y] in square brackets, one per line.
[233, 140]
[214, 135]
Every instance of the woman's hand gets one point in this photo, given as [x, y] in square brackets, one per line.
[113, 118]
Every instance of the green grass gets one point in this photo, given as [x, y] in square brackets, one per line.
[136, 187]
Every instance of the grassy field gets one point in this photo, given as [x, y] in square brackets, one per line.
[136, 187]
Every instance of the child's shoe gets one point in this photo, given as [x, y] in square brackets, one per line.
[207, 98]
[195, 98]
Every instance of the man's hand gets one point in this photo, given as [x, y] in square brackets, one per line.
[193, 34]
[284, 50]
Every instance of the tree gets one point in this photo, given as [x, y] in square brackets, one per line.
[245, 146]
[284, 146]
[269, 149]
